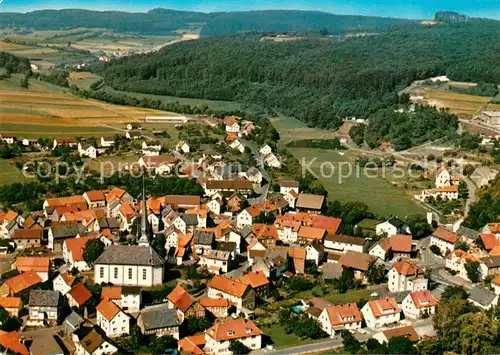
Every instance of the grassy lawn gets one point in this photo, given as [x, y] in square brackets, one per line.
[9, 174]
[382, 197]
[281, 339]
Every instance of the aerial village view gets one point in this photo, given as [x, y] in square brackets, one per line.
[259, 182]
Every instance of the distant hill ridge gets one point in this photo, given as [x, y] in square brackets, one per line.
[164, 21]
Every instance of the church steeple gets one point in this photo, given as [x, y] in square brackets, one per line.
[143, 239]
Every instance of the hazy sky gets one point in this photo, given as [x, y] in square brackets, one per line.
[395, 8]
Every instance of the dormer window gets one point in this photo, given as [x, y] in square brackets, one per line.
[248, 330]
[230, 332]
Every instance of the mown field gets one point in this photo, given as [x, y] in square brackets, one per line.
[9, 173]
[383, 198]
[47, 110]
[464, 105]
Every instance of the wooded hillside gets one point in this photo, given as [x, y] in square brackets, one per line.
[317, 81]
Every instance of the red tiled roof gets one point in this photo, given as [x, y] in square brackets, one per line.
[401, 243]
[108, 309]
[355, 260]
[12, 341]
[76, 246]
[384, 306]
[23, 281]
[264, 231]
[96, 195]
[80, 294]
[422, 299]
[445, 235]
[408, 332]
[489, 240]
[407, 268]
[180, 298]
[311, 233]
[10, 302]
[255, 279]
[233, 329]
[229, 286]
[192, 344]
[345, 313]
[111, 293]
[28, 234]
[34, 263]
[214, 302]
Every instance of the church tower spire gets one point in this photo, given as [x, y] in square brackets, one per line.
[143, 239]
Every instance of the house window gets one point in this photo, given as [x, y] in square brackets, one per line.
[144, 274]
[130, 273]
[101, 272]
[116, 272]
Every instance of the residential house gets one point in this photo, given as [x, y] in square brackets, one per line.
[231, 124]
[107, 141]
[219, 337]
[490, 265]
[408, 332]
[90, 342]
[185, 304]
[43, 307]
[286, 186]
[73, 252]
[12, 305]
[272, 161]
[192, 344]
[78, 296]
[22, 282]
[112, 320]
[310, 203]
[159, 320]
[38, 264]
[239, 293]
[216, 261]
[218, 307]
[406, 276]
[129, 265]
[344, 243]
[69, 142]
[203, 241]
[390, 227]
[258, 281]
[335, 318]
[306, 235]
[444, 239]
[419, 304]
[482, 297]
[160, 164]
[380, 313]
[273, 263]
[64, 283]
[46, 344]
[27, 238]
[8, 223]
[265, 150]
[457, 261]
[87, 150]
[127, 298]
[182, 146]
[254, 175]
[95, 199]
[358, 262]
[12, 344]
[398, 245]
[315, 253]
[72, 322]
[59, 233]
[133, 135]
[444, 178]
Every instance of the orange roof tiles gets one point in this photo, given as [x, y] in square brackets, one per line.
[108, 309]
[345, 313]
[214, 302]
[181, 200]
[65, 201]
[311, 233]
[408, 332]
[23, 281]
[34, 263]
[264, 231]
[233, 329]
[385, 244]
[255, 279]
[12, 341]
[452, 188]
[10, 216]
[80, 294]
[384, 306]
[180, 298]
[68, 278]
[422, 299]
[96, 195]
[489, 240]
[331, 224]
[401, 243]
[159, 160]
[28, 234]
[76, 246]
[115, 192]
[126, 210]
[229, 286]
[10, 302]
[445, 235]
[184, 240]
[355, 260]
[192, 344]
[111, 293]
[407, 268]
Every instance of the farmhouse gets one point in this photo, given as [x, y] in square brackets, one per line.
[336, 318]
[444, 239]
[417, 304]
[344, 243]
[310, 203]
[239, 293]
[159, 320]
[112, 319]
[491, 117]
[406, 276]
[221, 334]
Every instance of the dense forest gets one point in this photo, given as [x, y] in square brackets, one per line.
[316, 81]
[232, 23]
[164, 21]
[407, 129]
[13, 64]
[487, 209]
